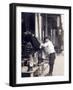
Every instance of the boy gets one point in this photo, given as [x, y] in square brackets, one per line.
[50, 52]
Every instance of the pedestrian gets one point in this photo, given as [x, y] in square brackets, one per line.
[50, 52]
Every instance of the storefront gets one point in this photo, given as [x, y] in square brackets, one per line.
[42, 25]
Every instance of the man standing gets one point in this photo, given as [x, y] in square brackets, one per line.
[50, 52]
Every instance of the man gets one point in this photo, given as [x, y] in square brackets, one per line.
[50, 52]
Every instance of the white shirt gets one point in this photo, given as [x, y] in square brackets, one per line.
[48, 47]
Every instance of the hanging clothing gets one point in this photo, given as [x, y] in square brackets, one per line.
[35, 43]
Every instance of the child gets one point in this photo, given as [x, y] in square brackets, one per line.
[50, 52]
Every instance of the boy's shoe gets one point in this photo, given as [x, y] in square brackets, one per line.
[49, 74]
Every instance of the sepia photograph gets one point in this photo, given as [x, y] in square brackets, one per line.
[42, 44]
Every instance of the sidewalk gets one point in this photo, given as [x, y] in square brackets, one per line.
[58, 66]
